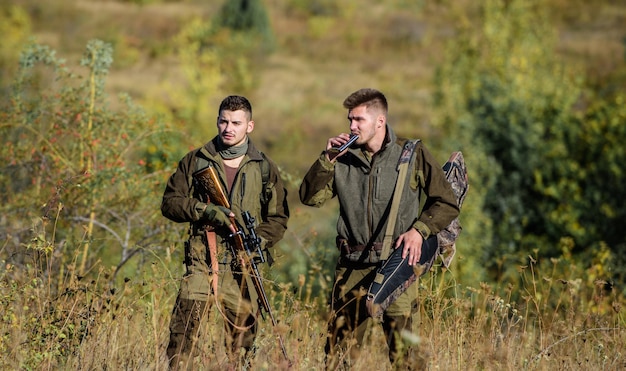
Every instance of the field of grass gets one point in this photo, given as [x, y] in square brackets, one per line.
[560, 316]
[555, 325]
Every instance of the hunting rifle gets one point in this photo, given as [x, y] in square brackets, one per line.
[245, 248]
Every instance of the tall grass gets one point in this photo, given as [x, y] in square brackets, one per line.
[60, 321]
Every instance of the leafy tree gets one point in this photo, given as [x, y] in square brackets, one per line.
[506, 88]
[77, 202]
[243, 37]
[247, 16]
[600, 171]
[14, 27]
[545, 150]
[72, 181]
[199, 77]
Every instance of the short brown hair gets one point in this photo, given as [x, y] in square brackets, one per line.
[236, 103]
[368, 97]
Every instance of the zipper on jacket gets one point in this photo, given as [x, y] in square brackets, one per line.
[373, 184]
[242, 190]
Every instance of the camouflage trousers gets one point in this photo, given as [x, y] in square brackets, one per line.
[195, 300]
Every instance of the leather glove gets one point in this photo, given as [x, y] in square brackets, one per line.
[217, 215]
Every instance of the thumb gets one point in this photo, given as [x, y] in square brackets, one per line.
[226, 211]
[399, 242]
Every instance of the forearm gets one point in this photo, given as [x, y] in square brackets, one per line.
[316, 187]
[177, 204]
[272, 230]
[435, 218]
[181, 209]
[440, 207]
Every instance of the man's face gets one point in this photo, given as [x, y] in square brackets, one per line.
[233, 127]
[366, 124]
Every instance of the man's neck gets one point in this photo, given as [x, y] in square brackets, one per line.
[233, 162]
[375, 145]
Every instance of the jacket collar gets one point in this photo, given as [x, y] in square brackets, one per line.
[390, 140]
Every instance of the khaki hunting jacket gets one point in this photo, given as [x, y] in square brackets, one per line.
[182, 203]
[365, 189]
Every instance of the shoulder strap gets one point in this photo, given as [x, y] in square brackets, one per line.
[403, 165]
[265, 176]
[265, 170]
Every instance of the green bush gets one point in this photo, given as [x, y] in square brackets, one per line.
[506, 88]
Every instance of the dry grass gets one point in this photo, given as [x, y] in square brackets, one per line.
[87, 326]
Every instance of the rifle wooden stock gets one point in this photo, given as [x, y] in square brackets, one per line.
[214, 192]
[212, 186]
[242, 254]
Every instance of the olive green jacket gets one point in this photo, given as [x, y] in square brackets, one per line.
[365, 189]
[183, 203]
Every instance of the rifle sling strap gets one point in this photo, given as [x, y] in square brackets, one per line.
[403, 165]
[211, 240]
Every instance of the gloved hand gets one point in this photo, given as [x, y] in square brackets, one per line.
[217, 215]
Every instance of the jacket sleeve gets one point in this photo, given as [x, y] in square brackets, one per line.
[178, 204]
[317, 185]
[276, 213]
[440, 207]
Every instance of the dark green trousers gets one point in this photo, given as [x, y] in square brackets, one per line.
[350, 319]
[195, 299]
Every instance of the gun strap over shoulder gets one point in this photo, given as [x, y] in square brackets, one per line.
[211, 241]
[403, 166]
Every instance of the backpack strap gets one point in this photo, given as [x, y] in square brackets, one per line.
[403, 166]
[265, 176]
